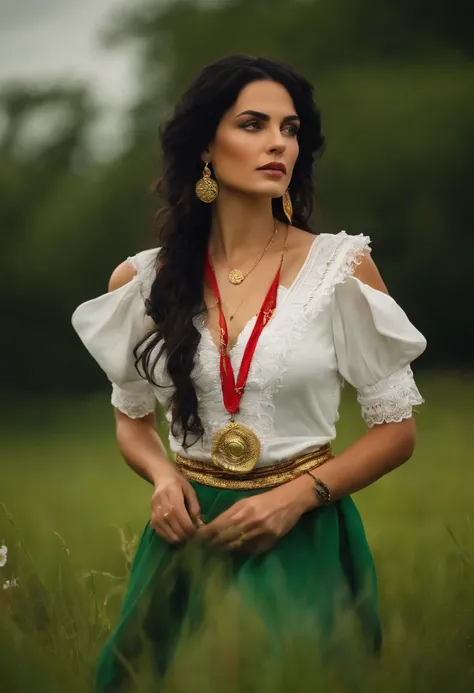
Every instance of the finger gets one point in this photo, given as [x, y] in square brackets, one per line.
[211, 531]
[165, 522]
[170, 536]
[207, 532]
[173, 511]
[192, 503]
[181, 520]
[165, 532]
[226, 536]
[243, 540]
[219, 524]
[240, 523]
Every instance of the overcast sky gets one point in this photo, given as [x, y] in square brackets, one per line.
[58, 39]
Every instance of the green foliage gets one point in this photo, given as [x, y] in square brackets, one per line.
[393, 82]
[72, 563]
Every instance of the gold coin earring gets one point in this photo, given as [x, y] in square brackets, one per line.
[206, 188]
[287, 206]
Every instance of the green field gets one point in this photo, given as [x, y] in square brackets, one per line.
[67, 493]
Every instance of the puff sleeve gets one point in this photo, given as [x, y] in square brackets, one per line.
[110, 326]
[375, 343]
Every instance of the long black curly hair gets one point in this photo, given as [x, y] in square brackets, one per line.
[184, 222]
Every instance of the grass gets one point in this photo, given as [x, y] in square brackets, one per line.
[73, 511]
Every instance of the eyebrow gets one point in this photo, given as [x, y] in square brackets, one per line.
[265, 116]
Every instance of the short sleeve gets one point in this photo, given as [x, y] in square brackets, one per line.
[375, 344]
[110, 326]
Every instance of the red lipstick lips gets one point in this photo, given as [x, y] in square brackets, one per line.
[273, 166]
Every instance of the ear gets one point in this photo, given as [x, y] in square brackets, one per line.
[207, 154]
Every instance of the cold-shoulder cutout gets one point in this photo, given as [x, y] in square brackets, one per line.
[368, 273]
[122, 274]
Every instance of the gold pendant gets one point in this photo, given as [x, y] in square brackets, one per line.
[236, 276]
[235, 448]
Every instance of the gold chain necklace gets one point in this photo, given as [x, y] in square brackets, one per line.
[236, 276]
[232, 316]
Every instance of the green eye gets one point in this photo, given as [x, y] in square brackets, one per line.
[252, 122]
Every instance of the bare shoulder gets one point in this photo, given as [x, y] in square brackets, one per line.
[299, 239]
[368, 273]
[298, 244]
[121, 275]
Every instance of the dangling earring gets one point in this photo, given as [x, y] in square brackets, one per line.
[287, 206]
[206, 188]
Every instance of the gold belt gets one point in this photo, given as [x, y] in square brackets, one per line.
[260, 477]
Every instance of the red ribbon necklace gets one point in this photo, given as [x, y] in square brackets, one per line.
[231, 391]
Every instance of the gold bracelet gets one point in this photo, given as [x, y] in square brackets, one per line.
[321, 489]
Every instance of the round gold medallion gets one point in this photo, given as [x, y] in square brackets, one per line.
[236, 276]
[236, 448]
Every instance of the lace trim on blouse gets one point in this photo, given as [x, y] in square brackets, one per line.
[135, 405]
[391, 399]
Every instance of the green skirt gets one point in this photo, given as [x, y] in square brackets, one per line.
[313, 577]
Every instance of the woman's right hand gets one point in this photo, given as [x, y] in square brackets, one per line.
[175, 510]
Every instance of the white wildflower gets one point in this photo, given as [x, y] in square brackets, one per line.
[10, 583]
[3, 555]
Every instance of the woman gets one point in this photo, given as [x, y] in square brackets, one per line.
[243, 324]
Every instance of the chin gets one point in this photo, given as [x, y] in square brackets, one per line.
[269, 189]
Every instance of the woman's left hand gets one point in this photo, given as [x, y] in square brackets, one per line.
[256, 523]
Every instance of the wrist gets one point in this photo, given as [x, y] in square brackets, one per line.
[321, 491]
[161, 469]
[306, 495]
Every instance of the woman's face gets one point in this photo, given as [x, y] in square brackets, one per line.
[259, 129]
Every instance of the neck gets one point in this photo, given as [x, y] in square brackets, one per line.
[241, 226]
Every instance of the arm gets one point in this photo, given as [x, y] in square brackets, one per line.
[141, 446]
[138, 439]
[174, 499]
[383, 448]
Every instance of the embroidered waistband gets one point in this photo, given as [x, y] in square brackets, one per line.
[260, 477]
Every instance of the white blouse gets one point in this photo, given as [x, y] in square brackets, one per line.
[327, 327]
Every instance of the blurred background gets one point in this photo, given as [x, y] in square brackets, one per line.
[84, 86]
[83, 89]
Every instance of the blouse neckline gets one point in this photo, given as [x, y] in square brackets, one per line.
[284, 292]
[296, 281]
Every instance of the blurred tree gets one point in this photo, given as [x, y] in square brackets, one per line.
[393, 81]
[63, 218]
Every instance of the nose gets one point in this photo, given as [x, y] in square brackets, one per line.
[277, 143]
[277, 148]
